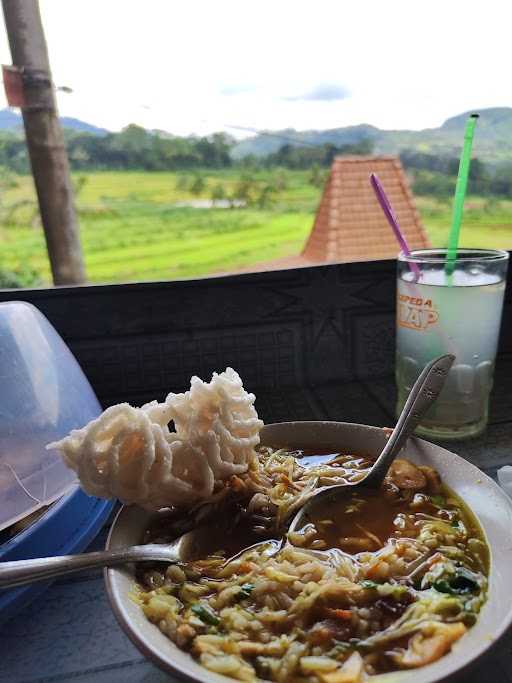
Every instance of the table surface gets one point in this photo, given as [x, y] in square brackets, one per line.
[311, 343]
[70, 633]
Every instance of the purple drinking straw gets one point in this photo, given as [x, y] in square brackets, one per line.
[393, 221]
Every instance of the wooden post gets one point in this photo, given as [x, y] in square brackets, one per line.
[45, 141]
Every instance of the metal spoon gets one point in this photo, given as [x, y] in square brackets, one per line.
[424, 392]
[422, 396]
[20, 572]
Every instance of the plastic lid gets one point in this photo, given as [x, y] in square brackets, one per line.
[44, 394]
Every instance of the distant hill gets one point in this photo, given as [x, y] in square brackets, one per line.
[493, 138]
[11, 121]
[81, 126]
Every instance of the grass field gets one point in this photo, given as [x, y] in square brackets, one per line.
[132, 230]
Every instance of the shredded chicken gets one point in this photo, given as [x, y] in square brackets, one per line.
[432, 641]
[406, 475]
[350, 672]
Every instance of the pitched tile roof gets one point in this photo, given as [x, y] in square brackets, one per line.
[350, 224]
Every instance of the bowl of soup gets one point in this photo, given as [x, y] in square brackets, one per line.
[391, 585]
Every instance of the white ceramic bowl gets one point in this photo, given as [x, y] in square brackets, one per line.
[492, 507]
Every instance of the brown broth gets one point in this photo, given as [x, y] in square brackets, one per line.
[230, 531]
[362, 516]
[366, 519]
[362, 522]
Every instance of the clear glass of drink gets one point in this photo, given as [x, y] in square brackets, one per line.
[459, 312]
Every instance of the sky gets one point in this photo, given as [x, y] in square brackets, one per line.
[199, 66]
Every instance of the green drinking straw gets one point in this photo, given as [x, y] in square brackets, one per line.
[460, 195]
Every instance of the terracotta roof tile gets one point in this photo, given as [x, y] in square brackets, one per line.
[350, 213]
[349, 223]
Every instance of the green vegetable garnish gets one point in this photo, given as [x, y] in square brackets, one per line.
[245, 591]
[368, 584]
[393, 590]
[205, 614]
[463, 582]
[339, 650]
[438, 501]
[455, 524]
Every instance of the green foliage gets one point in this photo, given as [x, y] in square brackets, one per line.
[491, 206]
[19, 278]
[250, 162]
[218, 192]
[281, 181]
[79, 157]
[296, 157]
[21, 212]
[13, 153]
[245, 189]
[8, 179]
[182, 182]
[501, 184]
[433, 183]
[137, 148]
[265, 198]
[447, 165]
[317, 176]
[78, 184]
[435, 174]
[351, 139]
[198, 185]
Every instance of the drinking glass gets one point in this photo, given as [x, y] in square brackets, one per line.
[459, 312]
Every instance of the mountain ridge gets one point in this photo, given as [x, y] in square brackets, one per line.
[492, 143]
[10, 121]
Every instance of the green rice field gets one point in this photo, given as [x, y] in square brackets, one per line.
[132, 230]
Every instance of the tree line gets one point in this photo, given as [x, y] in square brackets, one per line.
[433, 174]
[139, 149]
[132, 148]
[135, 148]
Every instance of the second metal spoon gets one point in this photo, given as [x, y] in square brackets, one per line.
[424, 392]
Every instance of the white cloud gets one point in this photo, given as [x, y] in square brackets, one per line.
[238, 89]
[172, 65]
[323, 92]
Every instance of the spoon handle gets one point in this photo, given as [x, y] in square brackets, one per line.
[423, 394]
[20, 572]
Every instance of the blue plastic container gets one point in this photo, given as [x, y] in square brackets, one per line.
[67, 527]
[43, 395]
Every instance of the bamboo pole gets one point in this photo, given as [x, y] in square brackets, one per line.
[45, 141]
